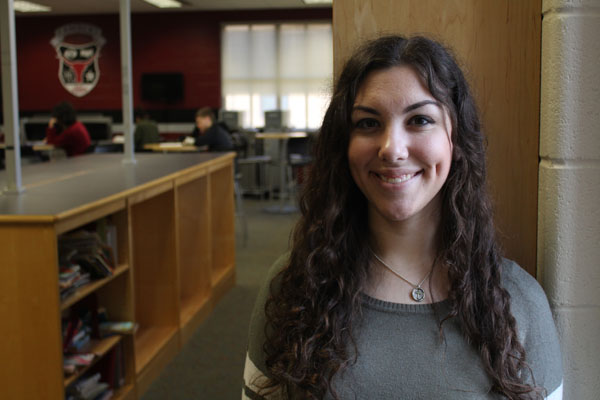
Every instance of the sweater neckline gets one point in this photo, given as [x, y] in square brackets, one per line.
[388, 306]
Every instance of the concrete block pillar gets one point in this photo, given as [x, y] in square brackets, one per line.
[569, 186]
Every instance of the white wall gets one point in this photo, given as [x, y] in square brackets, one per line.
[569, 186]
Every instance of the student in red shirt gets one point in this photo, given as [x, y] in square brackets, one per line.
[66, 132]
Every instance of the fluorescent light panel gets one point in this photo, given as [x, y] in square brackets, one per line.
[317, 1]
[164, 3]
[27, 6]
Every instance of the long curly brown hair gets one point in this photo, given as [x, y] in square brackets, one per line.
[316, 298]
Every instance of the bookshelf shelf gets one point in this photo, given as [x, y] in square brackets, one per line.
[91, 287]
[124, 393]
[149, 342]
[173, 219]
[100, 348]
[191, 306]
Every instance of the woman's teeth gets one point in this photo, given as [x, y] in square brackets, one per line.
[396, 179]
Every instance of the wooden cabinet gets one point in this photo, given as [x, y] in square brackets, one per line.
[174, 219]
[498, 44]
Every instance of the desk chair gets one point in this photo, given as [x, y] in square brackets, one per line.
[299, 157]
[253, 165]
[242, 159]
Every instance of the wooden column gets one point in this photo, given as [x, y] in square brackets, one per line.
[498, 44]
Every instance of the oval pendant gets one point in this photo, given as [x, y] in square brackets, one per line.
[418, 294]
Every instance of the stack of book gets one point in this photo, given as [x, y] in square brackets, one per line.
[74, 362]
[70, 278]
[90, 388]
[82, 256]
[76, 337]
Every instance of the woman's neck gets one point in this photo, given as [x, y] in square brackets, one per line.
[409, 248]
[410, 245]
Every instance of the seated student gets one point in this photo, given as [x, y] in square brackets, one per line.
[208, 133]
[146, 130]
[66, 132]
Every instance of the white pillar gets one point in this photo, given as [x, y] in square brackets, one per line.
[569, 186]
[127, 92]
[10, 98]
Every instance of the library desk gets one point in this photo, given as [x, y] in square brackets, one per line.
[282, 138]
[48, 150]
[174, 221]
[172, 147]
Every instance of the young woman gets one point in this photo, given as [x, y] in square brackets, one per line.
[66, 132]
[395, 287]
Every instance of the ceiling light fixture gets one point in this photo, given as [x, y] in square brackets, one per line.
[27, 6]
[317, 1]
[164, 3]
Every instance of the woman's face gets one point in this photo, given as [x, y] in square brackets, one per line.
[400, 147]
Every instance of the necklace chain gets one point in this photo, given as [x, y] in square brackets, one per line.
[418, 294]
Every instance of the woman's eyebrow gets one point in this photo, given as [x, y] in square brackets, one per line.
[365, 109]
[420, 104]
[406, 109]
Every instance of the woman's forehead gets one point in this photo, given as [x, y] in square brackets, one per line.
[395, 86]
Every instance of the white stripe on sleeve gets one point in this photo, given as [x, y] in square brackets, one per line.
[557, 394]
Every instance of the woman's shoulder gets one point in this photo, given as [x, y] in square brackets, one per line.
[535, 325]
[521, 286]
[528, 300]
[255, 367]
[271, 277]
[258, 314]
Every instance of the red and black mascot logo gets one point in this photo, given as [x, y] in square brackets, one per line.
[78, 49]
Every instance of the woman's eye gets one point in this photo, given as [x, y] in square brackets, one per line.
[420, 120]
[367, 123]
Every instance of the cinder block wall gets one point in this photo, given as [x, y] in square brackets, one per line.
[569, 186]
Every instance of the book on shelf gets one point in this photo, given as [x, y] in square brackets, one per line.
[103, 379]
[79, 327]
[71, 278]
[73, 362]
[88, 388]
[110, 328]
[108, 233]
[114, 368]
[84, 256]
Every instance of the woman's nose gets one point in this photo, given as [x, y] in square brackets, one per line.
[394, 144]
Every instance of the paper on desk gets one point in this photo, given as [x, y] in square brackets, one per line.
[170, 145]
[118, 139]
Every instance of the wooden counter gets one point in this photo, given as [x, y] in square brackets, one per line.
[174, 219]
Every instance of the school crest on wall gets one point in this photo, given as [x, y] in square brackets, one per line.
[78, 49]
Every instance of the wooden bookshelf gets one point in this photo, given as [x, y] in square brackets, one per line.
[174, 218]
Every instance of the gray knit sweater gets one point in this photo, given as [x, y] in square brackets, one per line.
[401, 355]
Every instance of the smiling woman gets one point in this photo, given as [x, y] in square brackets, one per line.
[395, 286]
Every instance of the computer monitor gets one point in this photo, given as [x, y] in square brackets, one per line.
[276, 120]
[99, 126]
[33, 129]
[233, 119]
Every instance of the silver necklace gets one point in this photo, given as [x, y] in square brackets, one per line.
[418, 293]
